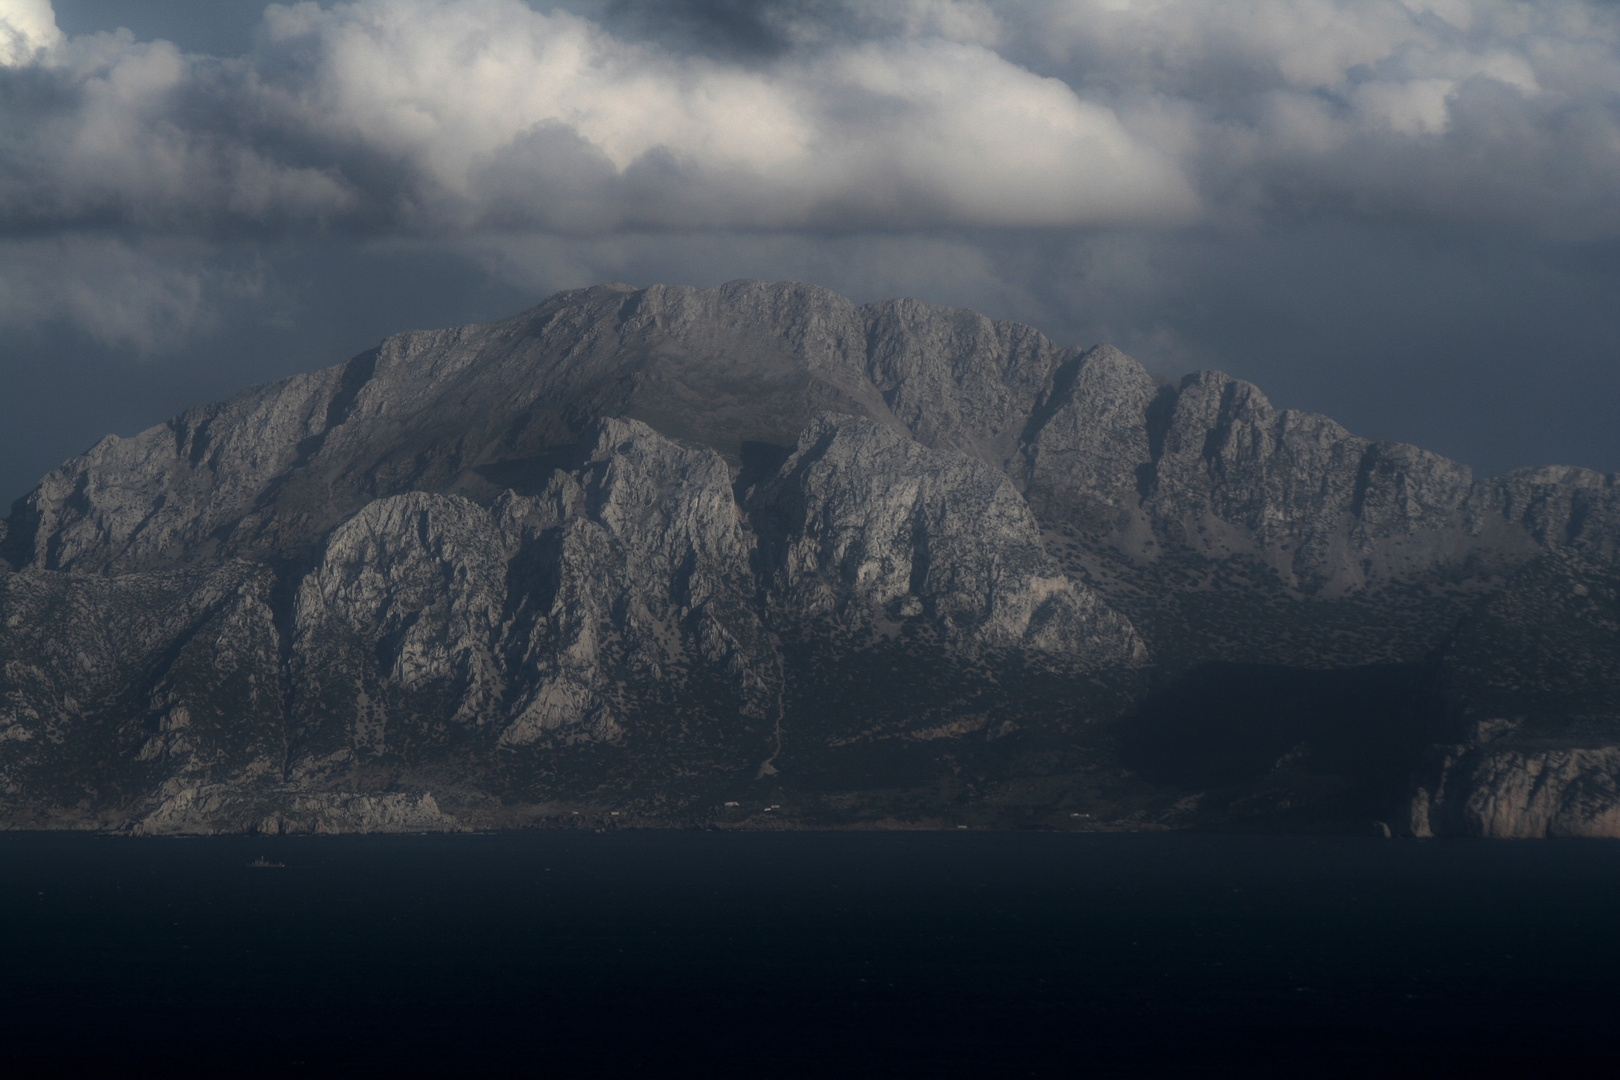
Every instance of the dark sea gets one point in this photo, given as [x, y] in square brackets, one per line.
[808, 954]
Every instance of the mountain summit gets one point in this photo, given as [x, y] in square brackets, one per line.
[756, 555]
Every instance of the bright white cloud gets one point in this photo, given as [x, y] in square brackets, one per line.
[27, 28]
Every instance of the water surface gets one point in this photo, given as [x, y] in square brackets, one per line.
[769, 954]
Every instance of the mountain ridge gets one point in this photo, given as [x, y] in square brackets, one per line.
[630, 535]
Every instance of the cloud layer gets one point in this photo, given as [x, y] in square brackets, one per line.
[423, 115]
[1163, 174]
[455, 114]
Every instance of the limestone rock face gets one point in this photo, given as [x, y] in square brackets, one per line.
[431, 623]
[480, 409]
[1561, 506]
[1528, 794]
[224, 808]
[1091, 440]
[143, 502]
[871, 524]
[955, 379]
[650, 547]
[467, 410]
[1237, 475]
[396, 631]
[634, 570]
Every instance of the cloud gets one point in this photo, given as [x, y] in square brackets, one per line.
[1354, 192]
[145, 297]
[455, 114]
[105, 131]
[452, 115]
[27, 28]
[1485, 112]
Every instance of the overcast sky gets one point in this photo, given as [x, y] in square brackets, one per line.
[1405, 215]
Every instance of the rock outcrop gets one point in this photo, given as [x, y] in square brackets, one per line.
[869, 524]
[224, 808]
[654, 548]
[1525, 794]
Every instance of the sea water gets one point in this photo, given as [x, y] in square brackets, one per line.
[802, 953]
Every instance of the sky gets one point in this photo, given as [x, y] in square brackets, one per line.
[1405, 215]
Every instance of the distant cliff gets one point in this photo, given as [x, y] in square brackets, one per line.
[674, 556]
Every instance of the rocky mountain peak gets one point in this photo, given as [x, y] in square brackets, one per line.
[660, 545]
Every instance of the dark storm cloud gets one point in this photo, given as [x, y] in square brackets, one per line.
[739, 29]
[1404, 214]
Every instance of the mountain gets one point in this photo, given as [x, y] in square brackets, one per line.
[756, 555]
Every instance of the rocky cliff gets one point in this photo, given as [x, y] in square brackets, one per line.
[676, 556]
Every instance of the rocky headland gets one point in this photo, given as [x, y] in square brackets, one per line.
[756, 556]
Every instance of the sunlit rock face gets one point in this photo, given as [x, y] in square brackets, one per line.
[1528, 794]
[670, 549]
[865, 523]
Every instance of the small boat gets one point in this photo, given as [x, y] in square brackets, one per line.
[263, 862]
